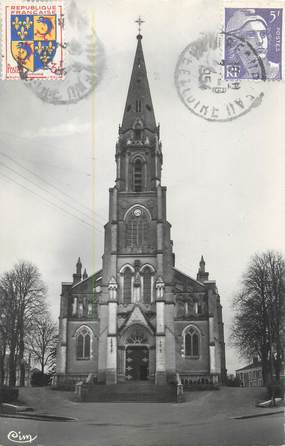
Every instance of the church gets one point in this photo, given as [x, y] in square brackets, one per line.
[139, 318]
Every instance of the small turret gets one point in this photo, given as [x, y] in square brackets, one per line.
[202, 275]
[78, 266]
[85, 275]
[77, 275]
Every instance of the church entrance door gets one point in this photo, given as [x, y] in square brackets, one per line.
[137, 360]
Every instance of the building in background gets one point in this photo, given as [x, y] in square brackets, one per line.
[251, 375]
[140, 318]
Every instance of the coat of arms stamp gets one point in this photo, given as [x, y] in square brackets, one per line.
[32, 35]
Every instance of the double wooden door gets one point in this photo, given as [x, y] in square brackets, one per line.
[137, 362]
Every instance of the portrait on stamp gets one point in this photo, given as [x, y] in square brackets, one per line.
[260, 30]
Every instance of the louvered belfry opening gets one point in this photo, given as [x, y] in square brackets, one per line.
[138, 176]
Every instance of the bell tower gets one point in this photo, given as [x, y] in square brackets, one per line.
[138, 151]
[138, 260]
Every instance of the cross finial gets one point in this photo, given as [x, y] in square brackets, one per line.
[139, 21]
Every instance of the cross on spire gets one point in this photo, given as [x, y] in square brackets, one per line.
[139, 21]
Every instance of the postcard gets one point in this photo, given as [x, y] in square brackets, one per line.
[142, 267]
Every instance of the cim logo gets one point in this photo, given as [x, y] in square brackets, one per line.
[19, 437]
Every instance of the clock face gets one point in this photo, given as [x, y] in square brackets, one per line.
[137, 212]
[98, 289]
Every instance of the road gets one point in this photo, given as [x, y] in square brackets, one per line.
[267, 430]
[206, 418]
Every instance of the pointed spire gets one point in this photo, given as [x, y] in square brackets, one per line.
[202, 265]
[138, 107]
[78, 266]
[77, 275]
[202, 275]
[85, 275]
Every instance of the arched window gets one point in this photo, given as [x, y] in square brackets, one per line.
[195, 341]
[192, 342]
[188, 344]
[83, 343]
[127, 286]
[146, 285]
[138, 175]
[137, 226]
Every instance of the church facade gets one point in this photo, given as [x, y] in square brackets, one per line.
[140, 318]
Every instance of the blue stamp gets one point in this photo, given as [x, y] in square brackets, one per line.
[253, 43]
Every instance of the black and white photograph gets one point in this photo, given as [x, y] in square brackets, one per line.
[142, 223]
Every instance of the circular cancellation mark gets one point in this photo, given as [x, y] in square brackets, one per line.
[85, 64]
[201, 85]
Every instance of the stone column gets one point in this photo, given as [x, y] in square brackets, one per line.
[160, 375]
[212, 347]
[111, 367]
[61, 363]
[74, 306]
[137, 283]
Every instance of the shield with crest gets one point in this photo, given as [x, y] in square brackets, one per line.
[33, 40]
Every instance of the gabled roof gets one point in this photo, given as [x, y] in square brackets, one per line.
[136, 317]
[251, 366]
[94, 277]
[179, 275]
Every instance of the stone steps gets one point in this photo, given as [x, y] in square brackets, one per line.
[129, 392]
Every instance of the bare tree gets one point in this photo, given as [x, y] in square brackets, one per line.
[259, 312]
[3, 336]
[9, 321]
[42, 340]
[23, 292]
[275, 316]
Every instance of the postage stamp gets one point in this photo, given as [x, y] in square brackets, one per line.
[32, 36]
[253, 38]
[201, 86]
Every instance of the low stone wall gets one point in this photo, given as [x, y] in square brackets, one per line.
[68, 382]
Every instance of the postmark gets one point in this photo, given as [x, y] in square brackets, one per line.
[84, 63]
[254, 33]
[33, 42]
[201, 86]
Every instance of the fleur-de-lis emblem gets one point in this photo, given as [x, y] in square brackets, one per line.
[39, 48]
[50, 48]
[22, 33]
[17, 23]
[44, 58]
[28, 23]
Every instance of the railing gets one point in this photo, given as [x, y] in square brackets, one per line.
[188, 380]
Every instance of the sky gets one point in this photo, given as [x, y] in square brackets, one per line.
[225, 180]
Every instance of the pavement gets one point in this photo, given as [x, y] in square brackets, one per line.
[230, 402]
[222, 418]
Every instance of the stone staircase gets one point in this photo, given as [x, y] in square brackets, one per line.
[135, 391]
